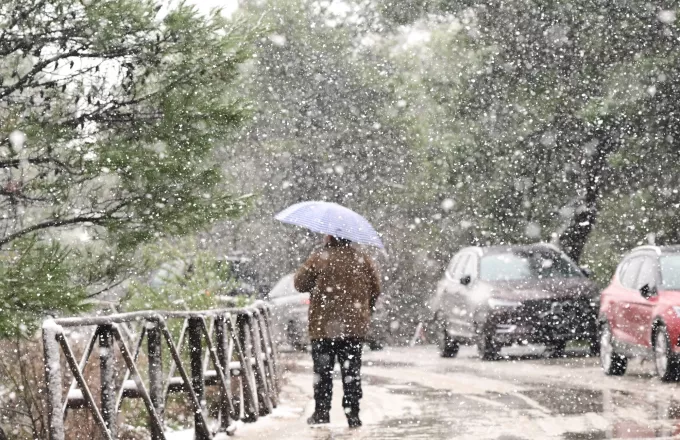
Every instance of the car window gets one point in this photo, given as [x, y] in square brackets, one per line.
[647, 275]
[524, 265]
[462, 262]
[670, 272]
[470, 267]
[284, 287]
[452, 266]
[622, 269]
[630, 272]
[504, 267]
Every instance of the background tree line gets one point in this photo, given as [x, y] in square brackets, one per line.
[458, 123]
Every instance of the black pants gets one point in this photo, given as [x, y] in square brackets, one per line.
[347, 352]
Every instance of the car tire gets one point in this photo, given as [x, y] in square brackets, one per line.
[487, 347]
[375, 345]
[595, 345]
[294, 337]
[556, 349]
[667, 364]
[613, 363]
[448, 348]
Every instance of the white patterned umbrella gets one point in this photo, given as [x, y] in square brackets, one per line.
[332, 219]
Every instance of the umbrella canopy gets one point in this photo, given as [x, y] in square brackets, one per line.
[332, 219]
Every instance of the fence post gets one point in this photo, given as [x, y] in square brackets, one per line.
[222, 349]
[196, 358]
[153, 340]
[259, 370]
[268, 351]
[251, 404]
[55, 418]
[106, 372]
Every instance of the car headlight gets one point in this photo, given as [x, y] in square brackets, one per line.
[676, 309]
[496, 303]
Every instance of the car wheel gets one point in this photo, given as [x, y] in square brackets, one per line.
[448, 348]
[556, 350]
[667, 365]
[300, 347]
[595, 345]
[487, 347]
[375, 345]
[613, 363]
[294, 337]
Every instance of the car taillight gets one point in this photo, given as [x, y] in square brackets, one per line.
[305, 301]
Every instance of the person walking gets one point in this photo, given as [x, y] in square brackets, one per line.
[344, 286]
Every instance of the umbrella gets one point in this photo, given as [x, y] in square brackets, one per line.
[332, 219]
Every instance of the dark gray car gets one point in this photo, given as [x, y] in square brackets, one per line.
[499, 296]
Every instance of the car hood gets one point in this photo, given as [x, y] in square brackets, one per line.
[551, 288]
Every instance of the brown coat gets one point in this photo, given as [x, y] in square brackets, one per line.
[344, 286]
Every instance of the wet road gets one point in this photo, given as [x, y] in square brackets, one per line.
[413, 393]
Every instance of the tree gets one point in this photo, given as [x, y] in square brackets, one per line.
[110, 111]
[318, 130]
[327, 126]
[549, 107]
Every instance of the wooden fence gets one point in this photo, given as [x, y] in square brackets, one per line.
[230, 349]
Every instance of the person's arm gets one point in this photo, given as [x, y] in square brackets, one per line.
[305, 277]
[374, 284]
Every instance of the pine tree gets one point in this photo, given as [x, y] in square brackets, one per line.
[110, 111]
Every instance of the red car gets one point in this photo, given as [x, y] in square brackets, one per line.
[640, 312]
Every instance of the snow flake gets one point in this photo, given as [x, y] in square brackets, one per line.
[448, 204]
[667, 16]
[278, 39]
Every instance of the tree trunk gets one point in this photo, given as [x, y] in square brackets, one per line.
[574, 238]
[2, 435]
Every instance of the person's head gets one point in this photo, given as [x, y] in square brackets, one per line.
[330, 240]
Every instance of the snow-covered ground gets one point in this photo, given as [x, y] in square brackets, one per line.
[413, 393]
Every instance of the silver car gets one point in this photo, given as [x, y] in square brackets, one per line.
[289, 313]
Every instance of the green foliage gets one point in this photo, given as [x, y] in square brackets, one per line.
[185, 278]
[540, 110]
[122, 105]
[35, 277]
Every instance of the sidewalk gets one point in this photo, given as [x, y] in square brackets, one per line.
[289, 420]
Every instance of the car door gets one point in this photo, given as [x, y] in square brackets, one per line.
[468, 295]
[440, 301]
[639, 313]
[287, 304]
[622, 327]
[459, 296]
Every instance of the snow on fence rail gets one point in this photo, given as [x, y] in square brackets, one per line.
[231, 349]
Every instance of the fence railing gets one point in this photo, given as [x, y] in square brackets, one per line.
[230, 349]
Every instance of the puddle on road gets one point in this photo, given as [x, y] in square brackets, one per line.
[509, 416]
[387, 364]
[568, 401]
[541, 410]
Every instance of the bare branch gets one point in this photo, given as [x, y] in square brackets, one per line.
[96, 219]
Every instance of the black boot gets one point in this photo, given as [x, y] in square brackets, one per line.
[353, 419]
[318, 419]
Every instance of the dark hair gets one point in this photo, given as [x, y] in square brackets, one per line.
[339, 241]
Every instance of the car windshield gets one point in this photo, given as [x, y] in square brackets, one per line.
[670, 272]
[527, 266]
[284, 287]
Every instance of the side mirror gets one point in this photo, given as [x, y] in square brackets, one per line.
[467, 279]
[587, 272]
[648, 291]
